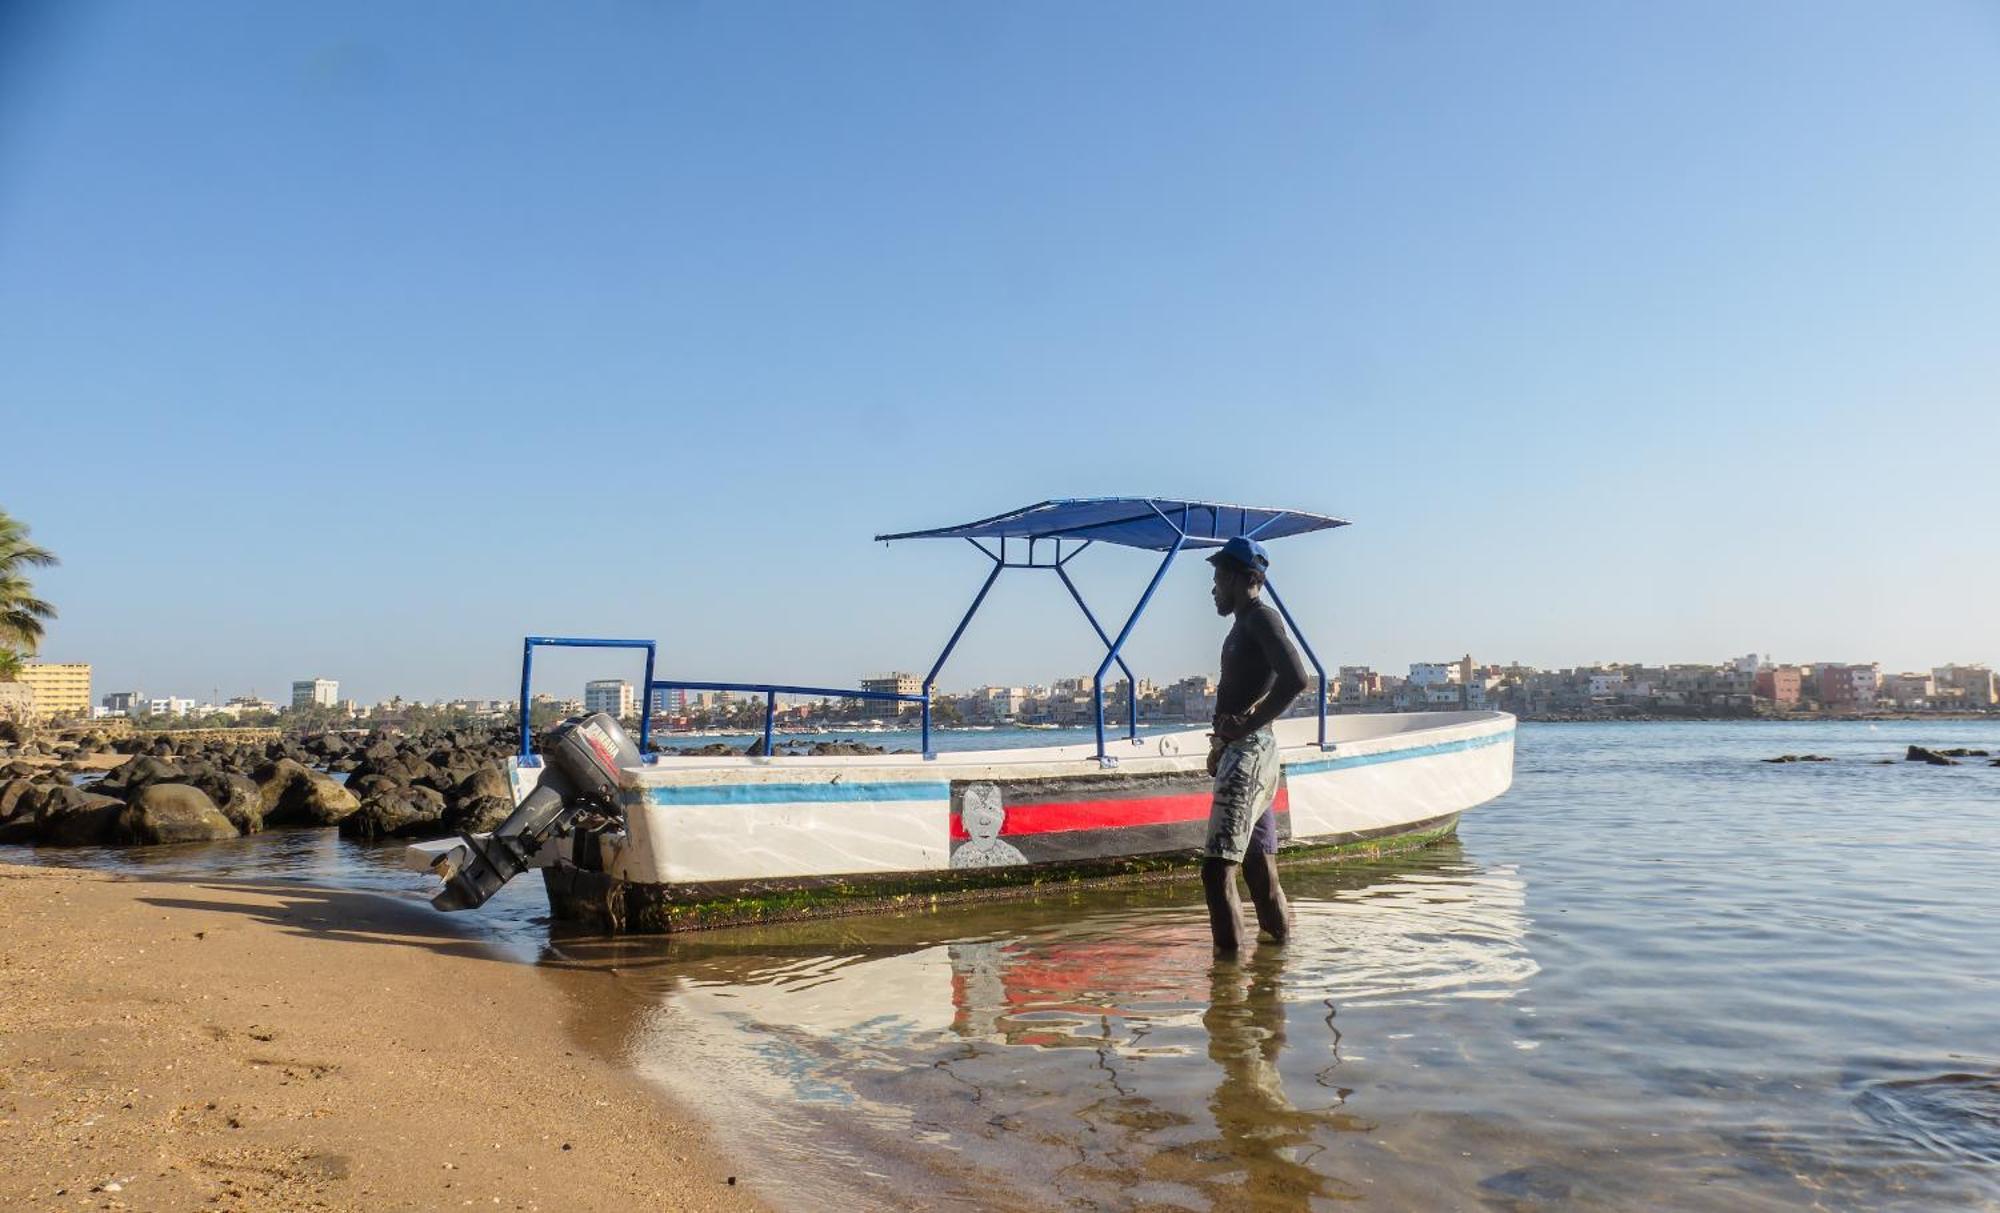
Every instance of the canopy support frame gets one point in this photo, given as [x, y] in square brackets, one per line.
[1114, 647]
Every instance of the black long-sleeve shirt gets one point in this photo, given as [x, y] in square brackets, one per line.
[1261, 670]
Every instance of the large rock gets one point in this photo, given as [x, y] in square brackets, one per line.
[472, 799]
[481, 814]
[171, 812]
[68, 817]
[138, 773]
[235, 796]
[18, 798]
[291, 794]
[398, 813]
[1918, 753]
[12, 793]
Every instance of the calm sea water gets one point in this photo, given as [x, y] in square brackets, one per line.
[1658, 973]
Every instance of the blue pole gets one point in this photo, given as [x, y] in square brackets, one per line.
[646, 710]
[1132, 704]
[1097, 680]
[1310, 655]
[527, 664]
[770, 711]
[930, 679]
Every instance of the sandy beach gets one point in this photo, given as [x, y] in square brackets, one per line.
[168, 1046]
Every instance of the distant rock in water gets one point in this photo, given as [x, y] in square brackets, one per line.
[1962, 752]
[1918, 753]
[1798, 758]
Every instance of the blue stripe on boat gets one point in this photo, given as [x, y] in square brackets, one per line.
[1342, 762]
[798, 793]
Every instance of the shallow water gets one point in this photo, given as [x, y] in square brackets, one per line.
[1656, 973]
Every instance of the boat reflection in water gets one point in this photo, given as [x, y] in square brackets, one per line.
[1083, 1047]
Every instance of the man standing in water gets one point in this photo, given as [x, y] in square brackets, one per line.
[1261, 676]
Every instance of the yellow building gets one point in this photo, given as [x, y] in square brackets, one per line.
[61, 688]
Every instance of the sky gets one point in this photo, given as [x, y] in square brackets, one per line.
[359, 341]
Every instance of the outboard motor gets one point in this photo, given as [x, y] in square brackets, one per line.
[582, 757]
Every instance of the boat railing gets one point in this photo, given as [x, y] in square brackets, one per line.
[771, 690]
[531, 643]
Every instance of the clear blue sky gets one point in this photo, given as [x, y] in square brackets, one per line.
[360, 340]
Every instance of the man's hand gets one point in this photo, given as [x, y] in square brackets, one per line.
[1216, 744]
[1231, 726]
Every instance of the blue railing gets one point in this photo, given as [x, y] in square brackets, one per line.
[531, 643]
[771, 690]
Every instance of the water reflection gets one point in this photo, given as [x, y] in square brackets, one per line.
[1086, 1046]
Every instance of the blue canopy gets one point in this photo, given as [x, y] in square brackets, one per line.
[1153, 523]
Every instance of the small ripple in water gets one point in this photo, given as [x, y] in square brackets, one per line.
[1956, 1116]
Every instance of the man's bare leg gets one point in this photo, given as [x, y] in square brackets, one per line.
[1274, 914]
[1225, 908]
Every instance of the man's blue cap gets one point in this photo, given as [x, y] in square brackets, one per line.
[1243, 552]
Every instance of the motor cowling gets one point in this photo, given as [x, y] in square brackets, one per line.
[582, 758]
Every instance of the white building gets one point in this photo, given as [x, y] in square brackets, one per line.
[613, 695]
[170, 706]
[1433, 673]
[1607, 684]
[315, 692]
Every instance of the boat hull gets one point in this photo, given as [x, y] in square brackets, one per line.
[608, 903]
[723, 842]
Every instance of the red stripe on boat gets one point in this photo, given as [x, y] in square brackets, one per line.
[1058, 816]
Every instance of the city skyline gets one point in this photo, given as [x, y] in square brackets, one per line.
[620, 695]
[373, 339]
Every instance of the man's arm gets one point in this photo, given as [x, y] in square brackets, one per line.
[1265, 629]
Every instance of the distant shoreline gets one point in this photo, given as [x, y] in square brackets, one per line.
[1803, 718]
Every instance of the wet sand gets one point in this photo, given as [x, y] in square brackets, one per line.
[169, 1046]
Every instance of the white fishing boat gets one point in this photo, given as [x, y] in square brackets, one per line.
[635, 841]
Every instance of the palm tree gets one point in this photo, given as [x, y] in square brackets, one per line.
[21, 613]
[10, 666]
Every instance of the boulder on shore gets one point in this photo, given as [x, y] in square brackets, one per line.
[171, 812]
[289, 793]
[69, 817]
[18, 798]
[235, 796]
[481, 814]
[138, 773]
[397, 813]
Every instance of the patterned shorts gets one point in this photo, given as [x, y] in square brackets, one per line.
[1246, 781]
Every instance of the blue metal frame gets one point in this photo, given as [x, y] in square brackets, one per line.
[1114, 647]
[771, 691]
[1311, 656]
[531, 643]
